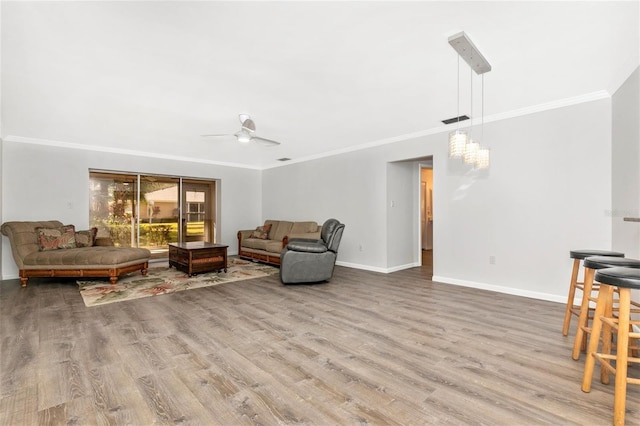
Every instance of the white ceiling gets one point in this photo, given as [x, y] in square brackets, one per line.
[318, 76]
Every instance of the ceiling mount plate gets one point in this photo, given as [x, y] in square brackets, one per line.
[469, 52]
[455, 119]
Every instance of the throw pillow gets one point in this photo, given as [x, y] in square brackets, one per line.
[56, 238]
[86, 238]
[261, 232]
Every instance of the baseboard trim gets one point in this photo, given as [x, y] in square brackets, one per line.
[375, 268]
[10, 277]
[500, 289]
[359, 266]
[403, 267]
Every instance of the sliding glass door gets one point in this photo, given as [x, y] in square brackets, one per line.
[159, 213]
[198, 219]
[113, 207]
[152, 211]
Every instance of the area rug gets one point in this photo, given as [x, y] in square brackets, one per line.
[164, 280]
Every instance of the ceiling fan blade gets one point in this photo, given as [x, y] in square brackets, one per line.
[263, 141]
[216, 135]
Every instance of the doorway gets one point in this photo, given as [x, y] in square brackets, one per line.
[426, 218]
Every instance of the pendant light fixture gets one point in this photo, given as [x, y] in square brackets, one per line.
[461, 143]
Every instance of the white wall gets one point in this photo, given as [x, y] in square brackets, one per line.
[43, 182]
[626, 166]
[548, 191]
[349, 187]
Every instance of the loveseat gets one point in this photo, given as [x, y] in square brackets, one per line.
[51, 249]
[266, 242]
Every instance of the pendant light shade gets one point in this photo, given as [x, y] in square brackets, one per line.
[471, 152]
[482, 158]
[457, 142]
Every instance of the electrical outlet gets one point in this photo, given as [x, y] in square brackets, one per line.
[360, 248]
[492, 260]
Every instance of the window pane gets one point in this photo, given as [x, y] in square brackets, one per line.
[113, 207]
[159, 212]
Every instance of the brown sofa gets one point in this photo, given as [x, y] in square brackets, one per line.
[268, 249]
[101, 259]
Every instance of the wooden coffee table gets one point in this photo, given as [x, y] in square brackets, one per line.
[198, 256]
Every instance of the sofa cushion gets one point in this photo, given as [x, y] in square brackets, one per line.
[256, 243]
[274, 246]
[307, 246]
[266, 245]
[304, 227]
[279, 230]
[85, 256]
[86, 238]
[274, 224]
[103, 241]
[56, 238]
[261, 232]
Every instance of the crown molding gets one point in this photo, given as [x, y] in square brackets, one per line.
[560, 103]
[547, 106]
[104, 149]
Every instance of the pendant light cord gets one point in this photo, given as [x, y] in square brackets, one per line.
[482, 122]
[471, 112]
[458, 98]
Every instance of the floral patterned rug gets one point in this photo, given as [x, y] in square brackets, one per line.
[164, 280]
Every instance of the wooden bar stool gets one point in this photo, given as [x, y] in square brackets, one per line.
[577, 256]
[591, 264]
[624, 279]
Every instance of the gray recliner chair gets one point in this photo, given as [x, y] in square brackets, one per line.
[309, 261]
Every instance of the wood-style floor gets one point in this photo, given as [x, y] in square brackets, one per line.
[367, 348]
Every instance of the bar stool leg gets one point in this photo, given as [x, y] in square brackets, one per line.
[607, 337]
[604, 298]
[572, 294]
[622, 352]
[583, 321]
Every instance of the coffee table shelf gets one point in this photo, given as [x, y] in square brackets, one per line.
[198, 256]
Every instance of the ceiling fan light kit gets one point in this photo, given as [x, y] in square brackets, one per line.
[461, 145]
[243, 136]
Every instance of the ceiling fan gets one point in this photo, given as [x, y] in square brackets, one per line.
[246, 133]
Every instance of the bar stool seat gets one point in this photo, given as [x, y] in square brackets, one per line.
[625, 280]
[577, 256]
[591, 264]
